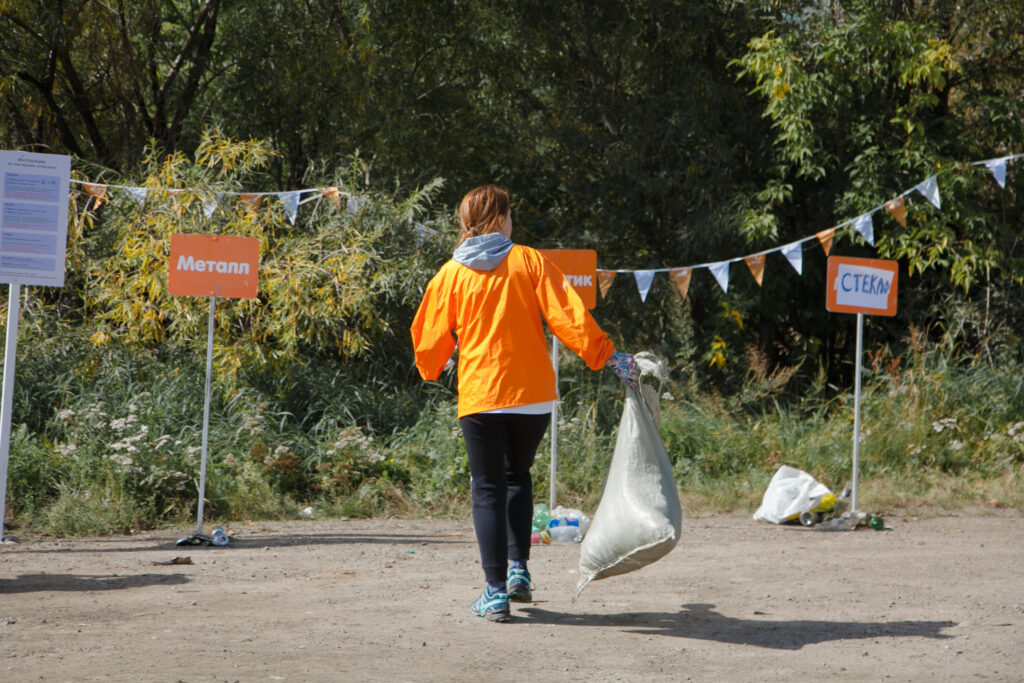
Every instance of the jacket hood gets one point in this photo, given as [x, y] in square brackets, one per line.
[483, 252]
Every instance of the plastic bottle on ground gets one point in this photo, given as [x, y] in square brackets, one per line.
[564, 533]
[541, 516]
[218, 537]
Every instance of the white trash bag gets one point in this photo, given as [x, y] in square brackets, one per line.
[639, 518]
[790, 492]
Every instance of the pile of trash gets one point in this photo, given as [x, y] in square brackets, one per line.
[794, 496]
[562, 525]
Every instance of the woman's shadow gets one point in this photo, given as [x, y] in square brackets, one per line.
[702, 622]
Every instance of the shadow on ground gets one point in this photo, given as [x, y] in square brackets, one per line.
[122, 544]
[31, 583]
[702, 622]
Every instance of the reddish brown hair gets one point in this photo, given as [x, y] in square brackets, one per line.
[482, 211]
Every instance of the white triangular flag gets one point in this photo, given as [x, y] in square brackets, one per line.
[794, 253]
[291, 204]
[865, 227]
[353, 204]
[139, 193]
[422, 232]
[210, 204]
[998, 168]
[644, 278]
[721, 272]
[930, 189]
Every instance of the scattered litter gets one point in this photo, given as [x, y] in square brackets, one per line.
[790, 493]
[177, 560]
[307, 513]
[563, 525]
[218, 537]
[795, 496]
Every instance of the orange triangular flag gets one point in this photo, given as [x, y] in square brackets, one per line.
[756, 265]
[97, 191]
[332, 194]
[251, 201]
[604, 281]
[681, 276]
[898, 209]
[825, 237]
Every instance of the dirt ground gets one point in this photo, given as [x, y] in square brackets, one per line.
[939, 598]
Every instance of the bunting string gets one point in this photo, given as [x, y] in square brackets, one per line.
[793, 251]
[863, 224]
[291, 199]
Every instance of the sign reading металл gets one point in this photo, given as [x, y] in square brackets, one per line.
[223, 266]
[860, 285]
[33, 217]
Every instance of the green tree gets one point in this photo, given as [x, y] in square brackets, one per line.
[99, 79]
[868, 98]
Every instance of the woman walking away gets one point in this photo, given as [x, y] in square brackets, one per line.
[494, 295]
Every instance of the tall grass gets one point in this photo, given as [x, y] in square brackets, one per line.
[107, 439]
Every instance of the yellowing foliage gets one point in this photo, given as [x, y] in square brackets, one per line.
[324, 284]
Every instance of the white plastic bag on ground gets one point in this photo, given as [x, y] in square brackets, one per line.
[790, 492]
[639, 518]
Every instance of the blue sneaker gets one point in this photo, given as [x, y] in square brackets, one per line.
[492, 605]
[519, 585]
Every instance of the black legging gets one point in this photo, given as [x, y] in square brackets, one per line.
[501, 449]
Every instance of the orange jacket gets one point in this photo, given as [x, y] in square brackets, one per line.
[496, 315]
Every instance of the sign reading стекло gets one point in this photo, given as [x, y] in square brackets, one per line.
[860, 285]
[866, 287]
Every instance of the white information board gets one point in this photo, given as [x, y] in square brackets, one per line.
[33, 217]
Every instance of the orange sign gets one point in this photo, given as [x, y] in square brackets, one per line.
[213, 265]
[580, 268]
[861, 285]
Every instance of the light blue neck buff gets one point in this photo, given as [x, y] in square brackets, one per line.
[483, 252]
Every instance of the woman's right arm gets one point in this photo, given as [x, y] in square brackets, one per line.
[431, 329]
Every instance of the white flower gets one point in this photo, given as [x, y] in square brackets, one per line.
[66, 448]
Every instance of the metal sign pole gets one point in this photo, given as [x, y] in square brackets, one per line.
[206, 415]
[554, 426]
[10, 356]
[856, 409]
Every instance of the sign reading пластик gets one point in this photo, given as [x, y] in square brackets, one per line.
[860, 285]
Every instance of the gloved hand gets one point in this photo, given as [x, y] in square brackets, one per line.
[623, 365]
